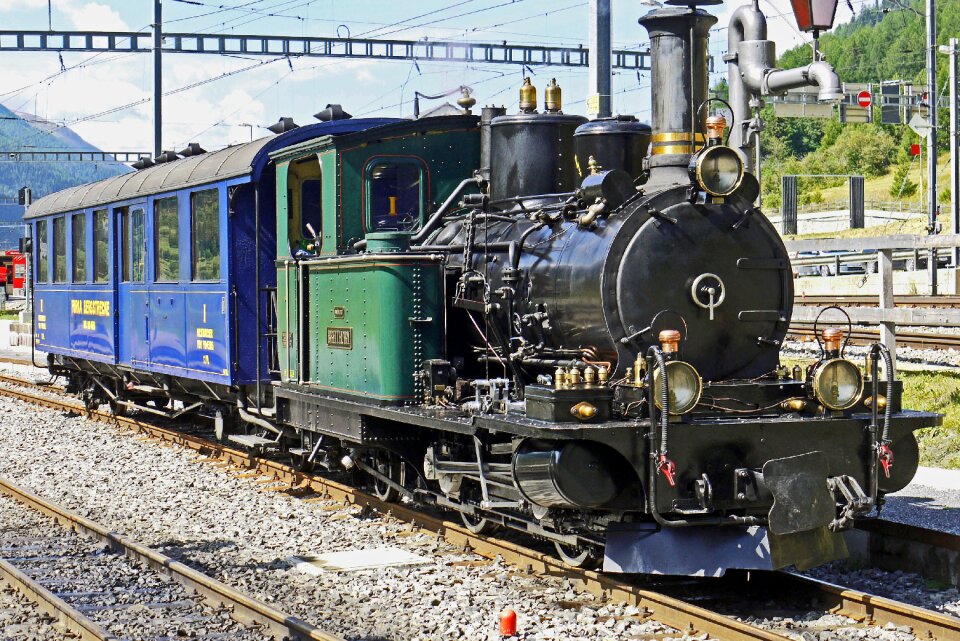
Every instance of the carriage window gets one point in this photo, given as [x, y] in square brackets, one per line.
[101, 246]
[395, 193]
[43, 254]
[59, 250]
[79, 248]
[132, 230]
[205, 223]
[166, 233]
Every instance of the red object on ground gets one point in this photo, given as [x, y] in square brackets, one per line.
[915, 149]
[508, 623]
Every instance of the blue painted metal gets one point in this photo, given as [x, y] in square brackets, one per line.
[198, 330]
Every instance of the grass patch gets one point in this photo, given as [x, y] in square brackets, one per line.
[9, 314]
[929, 392]
[936, 392]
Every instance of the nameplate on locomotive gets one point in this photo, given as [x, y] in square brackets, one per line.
[340, 337]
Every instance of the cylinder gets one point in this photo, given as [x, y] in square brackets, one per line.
[568, 473]
[679, 38]
[533, 154]
[487, 114]
[616, 143]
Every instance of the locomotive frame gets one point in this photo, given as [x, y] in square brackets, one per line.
[563, 327]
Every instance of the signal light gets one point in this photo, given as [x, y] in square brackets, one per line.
[814, 15]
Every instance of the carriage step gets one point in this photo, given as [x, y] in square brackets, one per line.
[256, 442]
[297, 451]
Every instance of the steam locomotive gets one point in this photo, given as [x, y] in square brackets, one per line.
[567, 327]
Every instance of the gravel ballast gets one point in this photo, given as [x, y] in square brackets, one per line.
[239, 532]
[127, 599]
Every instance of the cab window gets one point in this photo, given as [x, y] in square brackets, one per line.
[79, 248]
[304, 203]
[395, 193]
[43, 252]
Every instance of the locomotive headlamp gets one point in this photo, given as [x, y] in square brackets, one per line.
[718, 170]
[837, 384]
[684, 385]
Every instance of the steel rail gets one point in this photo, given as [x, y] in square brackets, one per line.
[667, 610]
[918, 340]
[880, 611]
[69, 617]
[860, 300]
[243, 608]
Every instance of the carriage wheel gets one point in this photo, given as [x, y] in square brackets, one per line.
[390, 465]
[478, 525]
[577, 557]
[117, 409]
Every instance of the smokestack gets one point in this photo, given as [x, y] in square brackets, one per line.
[679, 38]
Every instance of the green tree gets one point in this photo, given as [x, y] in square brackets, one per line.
[902, 186]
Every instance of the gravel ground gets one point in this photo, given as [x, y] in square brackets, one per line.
[924, 506]
[127, 599]
[149, 492]
[906, 356]
[20, 620]
[237, 531]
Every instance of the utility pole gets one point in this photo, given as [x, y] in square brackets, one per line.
[157, 78]
[954, 142]
[600, 56]
[931, 11]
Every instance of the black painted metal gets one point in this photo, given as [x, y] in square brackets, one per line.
[612, 288]
[788, 204]
[620, 142]
[679, 38]
[533, 154]
[856, 202]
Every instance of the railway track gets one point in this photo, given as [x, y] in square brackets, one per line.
[86, 576]
[871, 301]
[866, 336]
[653, 602]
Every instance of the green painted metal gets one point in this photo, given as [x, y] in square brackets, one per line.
[363, 324]
[372, 320]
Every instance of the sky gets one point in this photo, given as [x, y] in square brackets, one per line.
[106, 98]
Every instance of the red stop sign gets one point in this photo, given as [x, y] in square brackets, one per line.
[864, 99]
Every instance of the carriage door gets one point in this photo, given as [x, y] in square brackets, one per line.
[134, 299]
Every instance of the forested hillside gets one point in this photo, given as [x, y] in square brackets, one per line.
[885, 41]
[17, 134]
[21, 132]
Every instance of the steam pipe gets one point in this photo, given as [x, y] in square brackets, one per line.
[818, 73]
[746, 23]
[752, 74]
[434, 220]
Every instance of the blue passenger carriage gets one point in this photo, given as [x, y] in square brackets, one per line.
[159, 284]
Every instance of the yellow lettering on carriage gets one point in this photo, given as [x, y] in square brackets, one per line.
[89, 307]
[204, 332]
